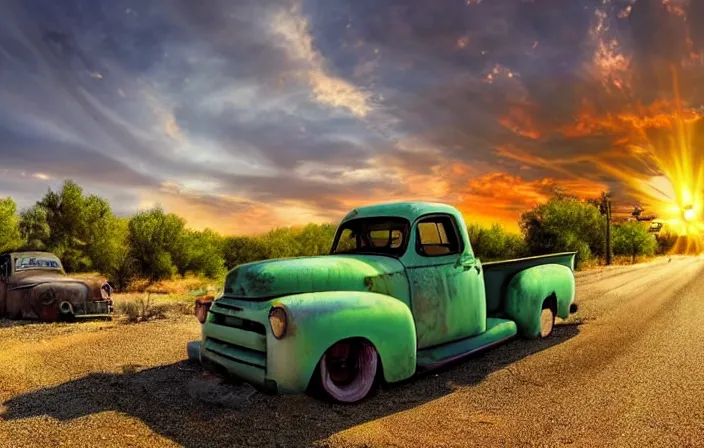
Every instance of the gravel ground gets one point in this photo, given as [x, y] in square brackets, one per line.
[627, 370]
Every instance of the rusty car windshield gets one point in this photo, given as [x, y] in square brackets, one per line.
[383, 236]
[25, 263]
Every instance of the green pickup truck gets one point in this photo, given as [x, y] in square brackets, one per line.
[400, 292]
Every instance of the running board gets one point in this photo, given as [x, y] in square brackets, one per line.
[498, 331]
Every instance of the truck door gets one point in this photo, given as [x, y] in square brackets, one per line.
[447, 288]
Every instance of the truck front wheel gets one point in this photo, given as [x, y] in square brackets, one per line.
[348, 370]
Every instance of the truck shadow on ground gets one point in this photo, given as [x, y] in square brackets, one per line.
[192, 408]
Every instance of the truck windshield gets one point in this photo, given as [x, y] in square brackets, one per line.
[387, 236]
[24, 263]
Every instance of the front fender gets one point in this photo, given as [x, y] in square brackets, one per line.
[529, 288]
[317, 320]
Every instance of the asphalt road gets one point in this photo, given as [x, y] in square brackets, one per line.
[627, 370]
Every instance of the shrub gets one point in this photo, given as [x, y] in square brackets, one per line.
[495, 243]
[9, 226]
[141, 309]
[633, 239]
[564, 224]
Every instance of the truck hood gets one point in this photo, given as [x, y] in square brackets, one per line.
[269, 279]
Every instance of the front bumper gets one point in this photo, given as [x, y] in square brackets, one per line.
[96, 309]
[235, 340]
[231, 366]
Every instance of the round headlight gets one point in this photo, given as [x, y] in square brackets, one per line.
[278, 321]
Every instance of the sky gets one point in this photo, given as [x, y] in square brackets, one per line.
[245, 115]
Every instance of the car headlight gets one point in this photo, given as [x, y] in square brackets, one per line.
[278, 321]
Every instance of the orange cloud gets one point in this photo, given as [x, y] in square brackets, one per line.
[502, 197]
[230, 215]
[521, 122]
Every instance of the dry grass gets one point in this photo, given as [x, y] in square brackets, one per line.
[86, 275]
[144, 301]
[146, 306]
[177, 285]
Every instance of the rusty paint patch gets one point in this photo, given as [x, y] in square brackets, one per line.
[259, 283]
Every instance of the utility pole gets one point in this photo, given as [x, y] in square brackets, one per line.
[605, 209]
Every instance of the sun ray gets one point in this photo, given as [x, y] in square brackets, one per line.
[677, 196]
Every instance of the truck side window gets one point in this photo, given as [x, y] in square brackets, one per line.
[437, 237]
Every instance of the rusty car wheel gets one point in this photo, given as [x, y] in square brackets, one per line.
[348, 370]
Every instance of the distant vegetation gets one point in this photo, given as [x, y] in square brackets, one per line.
[153, 245]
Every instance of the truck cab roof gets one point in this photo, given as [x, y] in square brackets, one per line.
[407, 210]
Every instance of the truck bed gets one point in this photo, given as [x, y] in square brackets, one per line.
[498, 274]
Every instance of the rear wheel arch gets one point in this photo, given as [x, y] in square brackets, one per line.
[551, 302]
[530, 290]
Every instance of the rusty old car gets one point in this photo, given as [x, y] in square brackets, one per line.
[34, 286]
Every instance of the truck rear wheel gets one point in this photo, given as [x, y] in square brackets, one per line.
[547, 320]
[348, 370]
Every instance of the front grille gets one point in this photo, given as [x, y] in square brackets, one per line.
[237, 353]
[237, 322]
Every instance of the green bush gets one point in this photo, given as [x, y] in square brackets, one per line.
[10, 238]
[495, 243]
[237, 250]
[564, 224]
[634, 240]
[154, 237]
[154, 245]
[199, 252]
[141, 309]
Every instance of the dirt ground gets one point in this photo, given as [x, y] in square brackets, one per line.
[626, 371]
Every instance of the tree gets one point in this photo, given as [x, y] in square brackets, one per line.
[65, 214]
[315, 239]
[153, 238]
[238, 250]
[633, 239]
[34, 228]
[110, 252]
[282, 243]
[10, 238]
[495, 243]
[564, 224]
[200, 253]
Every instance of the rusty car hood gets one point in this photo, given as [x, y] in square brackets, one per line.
[269, 279]
[30, 279]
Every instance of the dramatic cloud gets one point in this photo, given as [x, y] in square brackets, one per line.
[245, 115]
